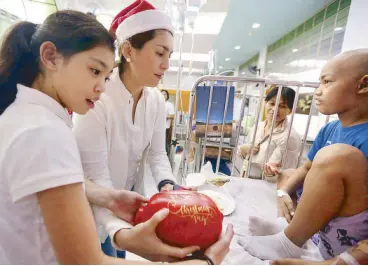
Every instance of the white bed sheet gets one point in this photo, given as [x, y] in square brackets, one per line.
[254, 198]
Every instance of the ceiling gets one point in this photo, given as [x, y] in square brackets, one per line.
[208, 25]
[220, 25]
[276, 18]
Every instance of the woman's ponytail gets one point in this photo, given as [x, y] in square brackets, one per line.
[18, 62]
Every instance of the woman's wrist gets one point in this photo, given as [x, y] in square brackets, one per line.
[200, 257]
[108, 200]
[98, 195]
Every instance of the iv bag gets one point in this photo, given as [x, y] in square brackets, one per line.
[176, 9]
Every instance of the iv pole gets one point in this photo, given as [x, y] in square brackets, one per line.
[178, 16]
[184, 10]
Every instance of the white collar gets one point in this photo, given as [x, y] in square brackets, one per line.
[124, 91]
[26, 95]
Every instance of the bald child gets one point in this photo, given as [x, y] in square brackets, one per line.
[332, 184]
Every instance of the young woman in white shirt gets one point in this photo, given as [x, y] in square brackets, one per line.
[45, 217]
[125, 133]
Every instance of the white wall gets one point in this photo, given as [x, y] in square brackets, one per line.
[355, 33]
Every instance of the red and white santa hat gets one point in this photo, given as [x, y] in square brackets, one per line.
[139, 17]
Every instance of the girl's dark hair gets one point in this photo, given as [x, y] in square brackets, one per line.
[70, 31]
[287, 94]
[167, 93]
[137, 41]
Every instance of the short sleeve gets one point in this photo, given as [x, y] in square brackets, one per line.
[41, 158]
[318, 143]
[364, 148]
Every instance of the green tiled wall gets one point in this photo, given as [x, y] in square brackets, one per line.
[311, 28]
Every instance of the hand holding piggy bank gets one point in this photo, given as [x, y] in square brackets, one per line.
[193, 220]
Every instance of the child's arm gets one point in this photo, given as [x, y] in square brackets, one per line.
[297, 179]
[285, 204]
[70, 225]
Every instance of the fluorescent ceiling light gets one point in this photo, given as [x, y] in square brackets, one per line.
[190, 57]
[270, 61]
[221, 67]
[339, 28]
[237, 47]
[243, 73]
[185, 69]
[227, 59]
[307, 63]
[256, 25]
[295, 50]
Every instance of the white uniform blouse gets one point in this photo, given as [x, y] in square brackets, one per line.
[38, 152]
[115, 152]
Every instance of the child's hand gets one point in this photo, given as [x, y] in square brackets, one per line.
[152, 247]
[285, 207]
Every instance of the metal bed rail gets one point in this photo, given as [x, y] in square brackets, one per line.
[228, 80]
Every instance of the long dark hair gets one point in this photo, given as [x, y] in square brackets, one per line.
[70, 31]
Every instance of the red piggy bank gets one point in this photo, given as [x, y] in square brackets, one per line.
[193, 219]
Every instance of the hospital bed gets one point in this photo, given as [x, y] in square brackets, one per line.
[252, 197]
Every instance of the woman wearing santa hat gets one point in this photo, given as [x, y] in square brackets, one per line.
[125, 132]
